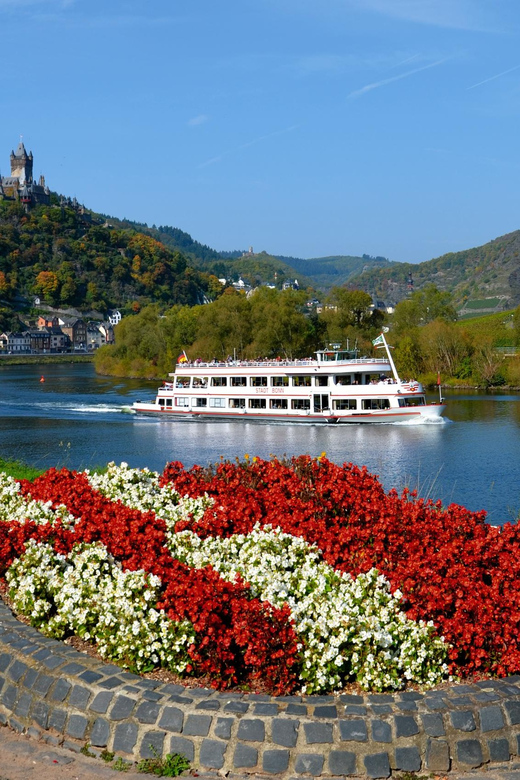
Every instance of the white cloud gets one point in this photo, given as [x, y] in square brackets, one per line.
[247, 144]
[197, 120]
[492, 78]
[457, 14]
[383, 82]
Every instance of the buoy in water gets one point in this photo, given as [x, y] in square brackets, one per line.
[42, 379]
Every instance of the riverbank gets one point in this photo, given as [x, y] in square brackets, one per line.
[22, 360]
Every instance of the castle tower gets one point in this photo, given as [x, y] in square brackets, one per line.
[22, 164]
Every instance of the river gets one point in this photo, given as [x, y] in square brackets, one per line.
[73, 418]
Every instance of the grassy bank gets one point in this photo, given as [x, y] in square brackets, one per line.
[22, 360]
[19, 470]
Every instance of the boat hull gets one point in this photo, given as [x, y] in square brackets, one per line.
[417, 414]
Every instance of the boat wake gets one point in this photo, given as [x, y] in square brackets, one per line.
[424, 421]
[47, 407]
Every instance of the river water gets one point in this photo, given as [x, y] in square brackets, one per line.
[74, 419]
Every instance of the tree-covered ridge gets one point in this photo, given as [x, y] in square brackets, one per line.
[489, 270]
[172, 237]
[334, 270]
[71, 259]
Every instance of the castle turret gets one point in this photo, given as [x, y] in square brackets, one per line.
[22, 164]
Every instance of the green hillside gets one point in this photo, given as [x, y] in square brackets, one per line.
[71, 258]
[258, 269]
[482, 273]
[174, 238]
[501, 329]
[336, 270]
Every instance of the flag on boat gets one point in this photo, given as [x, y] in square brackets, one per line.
[439, 378]
[183, 358]
[379, 342]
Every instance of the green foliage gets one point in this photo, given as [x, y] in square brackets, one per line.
[70, 260]
[469, 352]
[19, 470]
[269, 323]
[422, 307]
[172, 765]
[120, 765]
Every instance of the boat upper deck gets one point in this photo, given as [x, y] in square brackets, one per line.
[372, 364]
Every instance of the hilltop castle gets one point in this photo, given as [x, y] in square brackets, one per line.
[20, 185]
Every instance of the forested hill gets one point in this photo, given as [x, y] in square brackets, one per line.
[254, 269]
[336, 270]
[172, 237]
[491, 270]
[71, 259]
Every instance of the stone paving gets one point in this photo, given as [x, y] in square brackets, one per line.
[64, 698]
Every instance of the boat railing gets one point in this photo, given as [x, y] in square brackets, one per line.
[305, 362]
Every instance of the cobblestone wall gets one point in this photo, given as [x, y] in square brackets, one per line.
[50, 691]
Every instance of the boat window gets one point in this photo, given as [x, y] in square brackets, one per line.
[280, 381]
[200, 381]
[300, 403]
[375, 403]
[169, 402]
[238, 381]
[345, 403]
[321, 381]
[258, 381]
[179, 401]
[220, 402]
[197, 402]
[278, 403]
[218, 381]
[237, 403]
[257, 403]
[161, 401]
[417, 400]
[301, 381]
[182, 381]
[343, 379]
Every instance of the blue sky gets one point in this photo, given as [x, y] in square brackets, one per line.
[301, 127]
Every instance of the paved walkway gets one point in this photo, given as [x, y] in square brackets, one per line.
[24, 758]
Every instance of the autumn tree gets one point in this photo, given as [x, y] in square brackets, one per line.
[47, 285]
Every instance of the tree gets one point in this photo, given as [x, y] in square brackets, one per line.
[224, 326]
[47, 284]
[422, 307]
[349, 316]
[487, 363]
[279, 325]
[443, 346]
[408, 358]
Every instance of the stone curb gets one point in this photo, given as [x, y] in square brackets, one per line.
[50, 691]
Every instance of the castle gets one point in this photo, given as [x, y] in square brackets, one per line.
[20, 185]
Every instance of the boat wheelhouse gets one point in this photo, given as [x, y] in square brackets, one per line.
[336, 386]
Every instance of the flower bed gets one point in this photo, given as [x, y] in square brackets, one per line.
[287, 575]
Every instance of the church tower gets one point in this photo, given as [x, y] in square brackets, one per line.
[22, 164]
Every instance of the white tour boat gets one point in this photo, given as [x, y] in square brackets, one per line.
[335, 387]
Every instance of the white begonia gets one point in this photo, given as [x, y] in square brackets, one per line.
[139, 489]
[89, 594]
[351, 627]
[15, 506]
